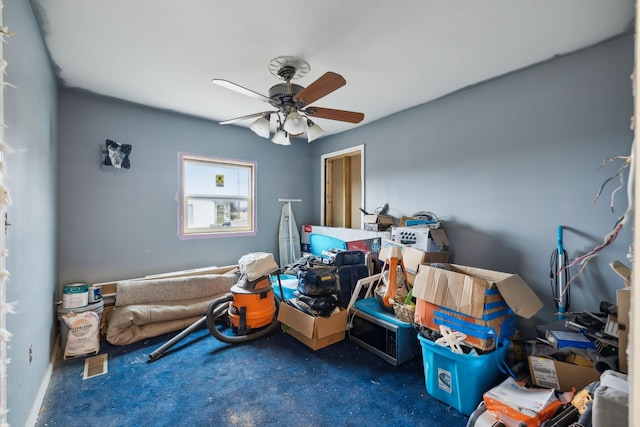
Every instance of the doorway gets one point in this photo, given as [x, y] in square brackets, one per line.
[342, 180]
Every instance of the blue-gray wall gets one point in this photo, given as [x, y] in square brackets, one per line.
[30, 116]
[119, 224]
[506, 162]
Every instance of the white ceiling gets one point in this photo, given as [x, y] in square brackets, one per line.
[393, 55]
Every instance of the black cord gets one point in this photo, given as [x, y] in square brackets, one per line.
[553, 278]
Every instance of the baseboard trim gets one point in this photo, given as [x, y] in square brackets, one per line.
[37, 403]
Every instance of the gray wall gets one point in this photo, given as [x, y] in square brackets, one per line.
[506, 162]
[119, 224]
[30, 116]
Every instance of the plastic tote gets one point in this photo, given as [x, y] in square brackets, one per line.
[457, 379]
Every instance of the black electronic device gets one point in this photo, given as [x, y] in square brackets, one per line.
[395, 342]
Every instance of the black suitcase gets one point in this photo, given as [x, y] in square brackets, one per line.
[351, 267]
[348, 258]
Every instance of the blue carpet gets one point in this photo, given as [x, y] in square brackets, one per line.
[272, 381]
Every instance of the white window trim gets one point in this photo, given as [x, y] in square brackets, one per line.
[182, 156]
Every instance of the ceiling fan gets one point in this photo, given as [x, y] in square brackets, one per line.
[293, 111]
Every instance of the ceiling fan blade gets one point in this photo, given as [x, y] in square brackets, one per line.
[331, 114]
[326, 84]
[243, 90]
[250, 116]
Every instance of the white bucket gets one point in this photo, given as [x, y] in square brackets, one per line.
[75, 295]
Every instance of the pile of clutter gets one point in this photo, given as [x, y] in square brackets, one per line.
[575, 371]
[325, 284]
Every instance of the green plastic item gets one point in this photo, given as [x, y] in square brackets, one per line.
[409, 299]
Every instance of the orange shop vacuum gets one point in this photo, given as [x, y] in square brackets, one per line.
[250, 308]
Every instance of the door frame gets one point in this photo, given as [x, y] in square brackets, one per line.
[340, 153]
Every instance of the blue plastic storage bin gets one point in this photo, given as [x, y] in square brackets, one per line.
[288, 288]
[460, 380]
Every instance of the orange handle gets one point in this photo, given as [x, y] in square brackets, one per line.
[391, 290]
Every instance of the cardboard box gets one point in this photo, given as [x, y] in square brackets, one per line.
[622, 270]
[550, 373]
[623, 297]
[314, 332]
[422, 238]
[412, 258]
[366, 245]
[376, 227]
[376, 222]
[480, 333]
[467, 289]
[477, 302]
[348, 235]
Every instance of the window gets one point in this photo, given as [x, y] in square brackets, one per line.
[216, 197]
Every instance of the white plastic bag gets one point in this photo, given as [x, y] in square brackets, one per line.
[256, 265]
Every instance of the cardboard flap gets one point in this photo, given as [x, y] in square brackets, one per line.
[378, 219]
[519, 296]
[440, 237]
[412, 258]
[457, 291]
[326, 326]
[622, 270]
[480, 273]
[463, 289]
[291, 316]
[515, 291]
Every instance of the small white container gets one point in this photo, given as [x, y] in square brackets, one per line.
[95, 294]
[75, 295]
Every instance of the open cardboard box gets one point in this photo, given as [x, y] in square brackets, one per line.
[315, 332]
[623, 301]
[623, 297]
[550, 373]
[412, 258]
[465, 289]
[375, 222]
[474, 299]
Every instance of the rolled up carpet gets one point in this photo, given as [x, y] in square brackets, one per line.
[172, 289]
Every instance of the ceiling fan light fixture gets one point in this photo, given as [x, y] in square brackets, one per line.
[293, 103]
[294, 124]
[281, 137]
[313, 131]
[262, 126]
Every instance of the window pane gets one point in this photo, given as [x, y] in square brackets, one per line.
[217, 196]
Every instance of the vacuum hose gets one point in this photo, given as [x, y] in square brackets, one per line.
[217, 308]
[220, 306]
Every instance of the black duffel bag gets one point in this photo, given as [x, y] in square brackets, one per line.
[317, 281]
[324, 306]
